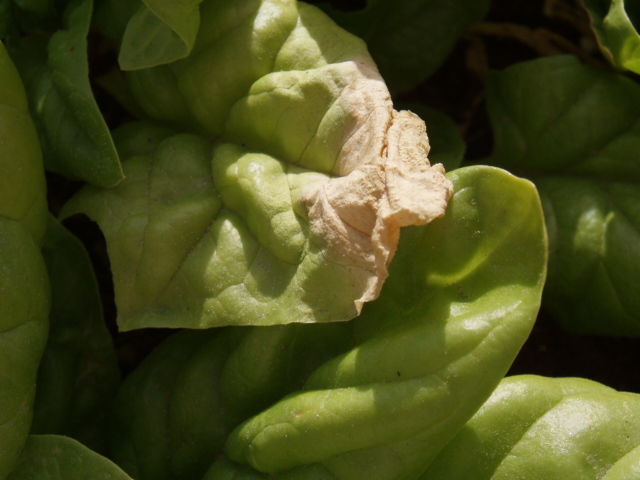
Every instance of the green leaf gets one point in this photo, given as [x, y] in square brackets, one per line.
[575, 130]
[360, 398]
[462, 296]
[551, 428]
[556, 115]
[38, 7]
[161, 31]
[78, 375]
[213, 269]
[24, 288]
[594, 234]
[177, 408]
[32, 16]
[112, 16]
[54, 457]
[7, 22]
[22, 183]
[410, 40]
[74, 136]
[616, 25]
[24, 304]
[286, 100]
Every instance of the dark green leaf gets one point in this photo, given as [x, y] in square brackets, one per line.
[38, 7]
[594, 260]
[200, 385]
[556, 115]
[6, 18]
[74, 136]
[78, 376]
[24, 304]
[24, 286]
[410, 39]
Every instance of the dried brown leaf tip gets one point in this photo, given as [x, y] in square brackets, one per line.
[356, 219]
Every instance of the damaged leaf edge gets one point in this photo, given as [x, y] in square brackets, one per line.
[356, 219]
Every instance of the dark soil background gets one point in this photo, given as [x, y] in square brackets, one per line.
[513, 31]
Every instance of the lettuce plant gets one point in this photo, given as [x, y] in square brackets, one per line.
[344, 303]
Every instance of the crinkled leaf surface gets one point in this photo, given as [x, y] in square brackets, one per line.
[25, 296]
[74, 136]
[78, 375]
[53, 457]
[551, 428]
[289, 208]
[461, 299]
[616, 25]
[576, 131]
[160, 32]
[370, 397]
[409, 40]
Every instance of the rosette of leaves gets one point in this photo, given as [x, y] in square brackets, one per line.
[285, 200]
[552, 428]
[376, 397]
[575, 130]
[24, 286]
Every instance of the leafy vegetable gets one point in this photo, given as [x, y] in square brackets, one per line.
[535, 106]
[550, 428]
[22, 186]
[437, 325]
[595, 230]
[250, 368]
[55, 72]
[267, 237]
[590, 184]
[410, 40]
[25, 296]
[341, 307]
[159, 32]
